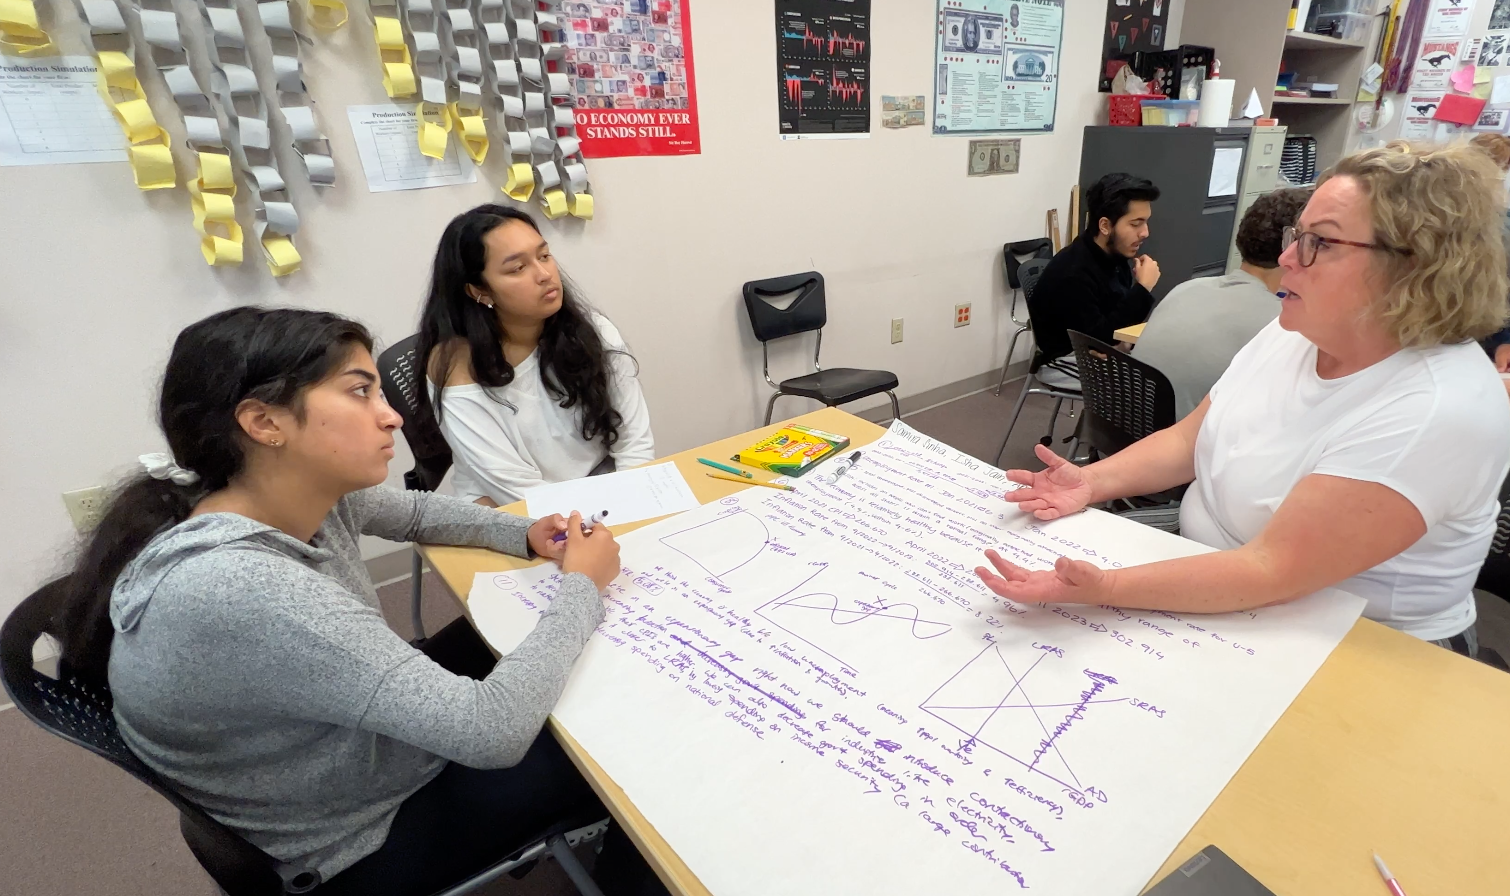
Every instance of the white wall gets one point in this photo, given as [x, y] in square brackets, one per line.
[98, 277]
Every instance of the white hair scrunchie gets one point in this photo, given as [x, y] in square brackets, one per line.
[161, 466]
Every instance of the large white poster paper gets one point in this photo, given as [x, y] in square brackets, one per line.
[817, 677]
[997, 65]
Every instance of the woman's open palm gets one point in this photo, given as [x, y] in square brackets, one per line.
[1059, 489]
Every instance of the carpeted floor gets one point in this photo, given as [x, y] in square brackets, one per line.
[73, 825]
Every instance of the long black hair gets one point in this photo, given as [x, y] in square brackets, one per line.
[269, 354]
[574, 362]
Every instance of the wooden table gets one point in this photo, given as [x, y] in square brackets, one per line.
[1130, 336]
[1395, 745]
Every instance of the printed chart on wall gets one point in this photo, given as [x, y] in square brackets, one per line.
[997, 65]
[821, 673]
[631, 61]
[51, 113]
[823, 68]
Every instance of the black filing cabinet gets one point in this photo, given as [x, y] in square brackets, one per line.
[1190, 234]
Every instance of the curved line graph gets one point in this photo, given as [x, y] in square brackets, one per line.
[829, 603]
[721, 545]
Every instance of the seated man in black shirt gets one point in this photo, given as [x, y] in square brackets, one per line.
[1090, 285]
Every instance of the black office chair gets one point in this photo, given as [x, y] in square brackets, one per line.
[1027, 275]
[808, 312]
[79, 711]
[1012, 257]
[1125, 399]
[403, 377]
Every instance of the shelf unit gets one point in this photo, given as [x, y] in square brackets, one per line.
[1312, 101]
[1252, 42]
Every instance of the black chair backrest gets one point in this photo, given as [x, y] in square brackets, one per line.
[807, 311]
[1125, 399]
[79, 712]
[1013, 255]
[1028, 276]
[403, 377]
[1494, 575]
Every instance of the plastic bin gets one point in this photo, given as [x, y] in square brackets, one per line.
[1331, 7]
[1171, 113]
[1125, 109]
[1348, 26]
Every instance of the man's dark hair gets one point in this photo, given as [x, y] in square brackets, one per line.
[1110, 196]
[1261, 232]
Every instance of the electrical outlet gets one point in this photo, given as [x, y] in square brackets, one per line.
[896, 330]
[962, 315]
[85, 506]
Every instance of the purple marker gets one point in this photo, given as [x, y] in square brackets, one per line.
[586, 527]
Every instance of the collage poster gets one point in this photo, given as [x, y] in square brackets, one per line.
[631, 65]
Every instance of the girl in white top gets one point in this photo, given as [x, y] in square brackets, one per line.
[1359, 441]
[528, 385]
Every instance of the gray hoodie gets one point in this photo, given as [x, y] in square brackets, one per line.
[256, 673]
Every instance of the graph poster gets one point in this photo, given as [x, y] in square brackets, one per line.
[823, 63]
[998, 65]
[631, 65]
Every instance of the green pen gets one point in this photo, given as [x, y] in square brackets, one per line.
[727, 469]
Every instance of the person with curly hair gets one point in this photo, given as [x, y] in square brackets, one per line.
[1194, 333]
[1358, 442]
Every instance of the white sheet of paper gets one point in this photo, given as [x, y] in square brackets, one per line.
[1226, 167]
[629, 496]
[1254, 108]
[387, 140]
[1500, 94]
[51, 113]
[820, 672]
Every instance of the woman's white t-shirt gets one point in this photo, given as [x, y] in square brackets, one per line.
[509, 438]
[1431, 423]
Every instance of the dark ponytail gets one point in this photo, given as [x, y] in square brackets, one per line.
[574, 362]
[269, 354]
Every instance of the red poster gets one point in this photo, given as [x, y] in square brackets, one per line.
[631, 66]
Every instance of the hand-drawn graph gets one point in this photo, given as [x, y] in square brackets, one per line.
[1022, 706]
[722, 545]
[805, 613]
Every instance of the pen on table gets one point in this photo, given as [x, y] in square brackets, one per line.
[586, 526]
[843, 465]
[727, 469]
[1389, 879]
[785, 488]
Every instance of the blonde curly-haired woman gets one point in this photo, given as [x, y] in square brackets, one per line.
[1359, 441]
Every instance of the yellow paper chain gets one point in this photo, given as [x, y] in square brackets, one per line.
[281, 256]
[20, 31]
[327, 15]
[434, 125]
[398, 65]
[213, 196]
[580, 205]
[521, 181]
[150, 156]
[472, 130]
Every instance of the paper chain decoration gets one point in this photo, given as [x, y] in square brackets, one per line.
[459, 76]
[469, 61]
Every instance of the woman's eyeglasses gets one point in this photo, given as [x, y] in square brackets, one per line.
[1310, 242]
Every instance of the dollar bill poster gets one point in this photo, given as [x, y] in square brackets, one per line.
[631, 65]
[823, 68]
[997, 65]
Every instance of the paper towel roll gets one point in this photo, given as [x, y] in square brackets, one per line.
[1216, 103]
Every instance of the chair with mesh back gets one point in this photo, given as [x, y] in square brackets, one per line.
[1012, 260]
[402, 377]
[1125, 399]
[79, 711]
[807, 312]
[1036, 384]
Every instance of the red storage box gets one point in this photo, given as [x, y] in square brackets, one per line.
[1126, 109]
